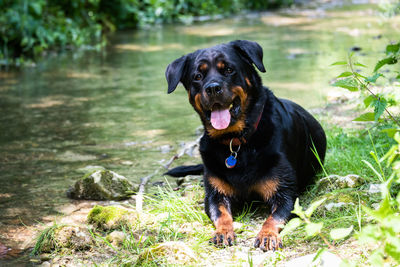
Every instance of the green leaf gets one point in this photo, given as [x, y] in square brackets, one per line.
[392, 48]
[348, 83]
[368, 100]
[314, 228]
[338, 63]
[319, 254]
[379, 107]
[340, 233]
[36, 8]
[359, 64]
[290, 226]
[383, 211]
[313, 206]
[369, 116]
[298, 210]
[383, 62]
[372, 79]
[377, 258]
[345, 74]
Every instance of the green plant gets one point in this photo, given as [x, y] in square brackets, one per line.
[385, 230]
[379, 100]
[314, 228]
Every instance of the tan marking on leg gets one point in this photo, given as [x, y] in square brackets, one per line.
[221, 186]
[225, 221]
[224, 234]
[268, 238]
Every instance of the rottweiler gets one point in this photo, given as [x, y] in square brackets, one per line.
[255, 146]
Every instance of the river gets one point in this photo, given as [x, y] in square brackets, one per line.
[111, 109]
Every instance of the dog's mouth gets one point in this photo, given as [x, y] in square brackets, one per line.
[221, 116]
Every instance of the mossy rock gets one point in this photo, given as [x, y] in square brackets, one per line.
[335, 182]
[102, 185]
[58, 237]
[112, 217]
[343, 200]
[168, 253]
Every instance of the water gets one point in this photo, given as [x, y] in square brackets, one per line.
[111, 109]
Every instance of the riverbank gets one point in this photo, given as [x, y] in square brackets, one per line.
[173, 228]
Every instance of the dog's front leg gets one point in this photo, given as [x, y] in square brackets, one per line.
[218, 208]
[268, 238]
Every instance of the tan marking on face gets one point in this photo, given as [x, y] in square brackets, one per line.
[197, 103]
[221, 186]
[221, 65]
[248, 82]
[237, 127]
[240, 123]
[266, 189]
[224, 223]
[203, 67]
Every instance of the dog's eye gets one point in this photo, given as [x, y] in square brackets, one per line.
[198, 77]
[228, 70]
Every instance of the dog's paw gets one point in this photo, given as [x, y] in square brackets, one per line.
[268, 240]
[223, 238]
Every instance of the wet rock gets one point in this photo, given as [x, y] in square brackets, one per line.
[127, 162]
[91, 168]
[171, 253]
[355, 48]
[64, 236]
[326, 259]
[333, 182]
[70, 156]
[45, 264]
[116, 238]
[112, 217]
[165, 149]
[102, 185]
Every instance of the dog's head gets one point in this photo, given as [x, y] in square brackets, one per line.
[221, 83]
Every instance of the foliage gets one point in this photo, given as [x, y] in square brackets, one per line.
[314, 228]
[380, 101]
[385, 230]
[30, 27]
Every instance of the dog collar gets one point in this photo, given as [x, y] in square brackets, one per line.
[237, 141]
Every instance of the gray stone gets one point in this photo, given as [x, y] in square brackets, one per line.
[102, 185]
[327, 259]
[333, 205]
[116, 238]
[333, 182]
[374, 189]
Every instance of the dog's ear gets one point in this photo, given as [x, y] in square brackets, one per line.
[252, 51]
[174, 73]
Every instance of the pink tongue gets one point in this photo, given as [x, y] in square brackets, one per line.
[220, 119]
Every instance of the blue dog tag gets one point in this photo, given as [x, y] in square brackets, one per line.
[230, 162]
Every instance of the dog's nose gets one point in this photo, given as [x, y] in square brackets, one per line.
[213, 89]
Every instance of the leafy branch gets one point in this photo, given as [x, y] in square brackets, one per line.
[353, 81]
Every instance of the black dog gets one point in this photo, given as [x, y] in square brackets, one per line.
[256, 147]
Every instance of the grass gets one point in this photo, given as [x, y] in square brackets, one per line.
[179, 215]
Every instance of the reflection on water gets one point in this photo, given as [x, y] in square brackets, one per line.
[111, 108]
